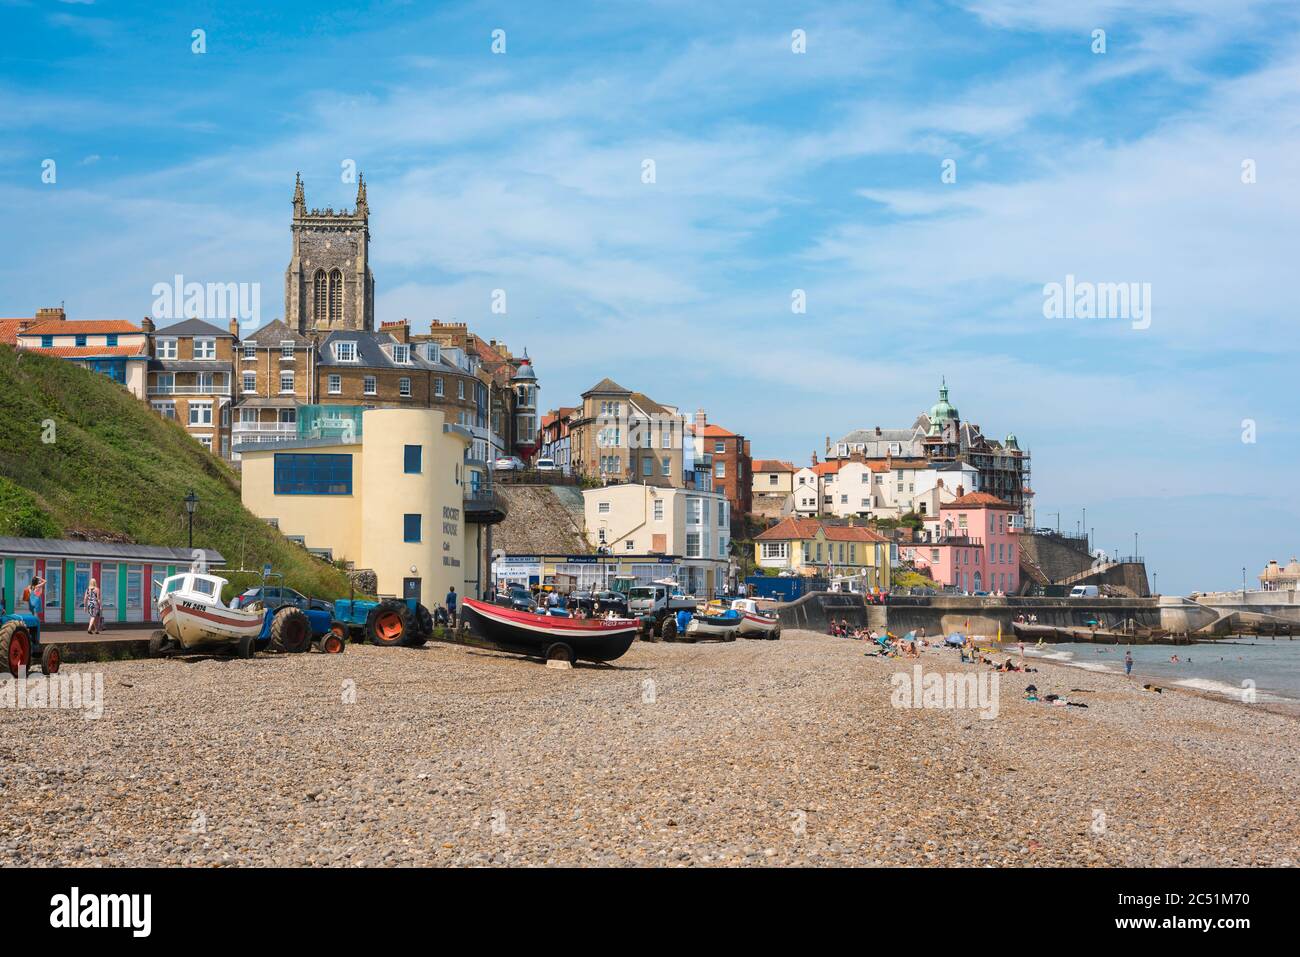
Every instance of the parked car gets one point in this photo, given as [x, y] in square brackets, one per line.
[508, 463]
[277, 596]
[1085, 591]
[547, 465]
[517, 597]
[600, 601]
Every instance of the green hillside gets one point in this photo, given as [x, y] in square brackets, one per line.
[117, 472]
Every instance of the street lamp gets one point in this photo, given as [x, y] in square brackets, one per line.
[191, 503]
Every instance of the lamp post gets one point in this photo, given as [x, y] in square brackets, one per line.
[1243, 583]
[191, 503]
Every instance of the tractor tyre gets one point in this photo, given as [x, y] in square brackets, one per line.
[291, 631]
[423, 629]
[247, 645]
[670, 629]
[157, 642]
[51, 659]
[334, 641]
[15, 647]
[389, 623]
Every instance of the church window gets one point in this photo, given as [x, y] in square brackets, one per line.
[321, 297]
[336, 296]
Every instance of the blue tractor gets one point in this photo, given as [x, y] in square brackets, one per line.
[20, 643]
[387, 622]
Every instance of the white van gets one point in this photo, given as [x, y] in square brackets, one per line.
[1085, 591]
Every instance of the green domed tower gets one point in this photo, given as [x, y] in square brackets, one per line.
[943, 410]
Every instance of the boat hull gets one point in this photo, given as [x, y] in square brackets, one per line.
[758, 626]
[194, 626]
[706, 626]
[522, 632]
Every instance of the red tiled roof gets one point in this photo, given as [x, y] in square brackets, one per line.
[798, 528]
[828, 468]
[978, 500]
[9, 330]
[712, 431]
[80, 327]
[74, 352]
[772, 465]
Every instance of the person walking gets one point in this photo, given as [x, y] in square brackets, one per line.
[1128, 662]
[91, 602]
[36, 595]
[451, 605]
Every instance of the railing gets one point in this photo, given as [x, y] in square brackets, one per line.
[279, 428]
[484, 504]
[214, 389]
[535, 477]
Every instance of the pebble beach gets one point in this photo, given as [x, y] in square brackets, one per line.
[745, 753]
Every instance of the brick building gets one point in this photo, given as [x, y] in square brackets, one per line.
[190, 379]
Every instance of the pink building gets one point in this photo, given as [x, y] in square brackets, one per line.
[975, 548]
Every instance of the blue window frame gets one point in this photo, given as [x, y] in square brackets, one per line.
[80, 342]
[47, 342]
[307, 473]
[410, 528]
[414, 459]
[112, 338]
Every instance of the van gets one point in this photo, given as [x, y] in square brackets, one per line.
[1085, 591]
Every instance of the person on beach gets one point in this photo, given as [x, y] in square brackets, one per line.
[91, 602]
[35, 595]
[1128, 662]
[451, 605]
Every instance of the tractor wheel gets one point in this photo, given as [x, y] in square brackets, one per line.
[334, 641]
[51, 659]
[246, 646]
[157, 642]
[561, 652]
[670, 629]
[291, 631]
[776, 633]
[15, 647]
[388, 623]
[423, 629]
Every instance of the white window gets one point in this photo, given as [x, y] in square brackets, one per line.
[286, 381]
[166, 348]
[720, 446]
[286, 349]
[659, 510]
[200, 413]
[345, 351]
[629, 545]
[722, 515]
[693, 545]
[370, 386]
[166, 409]
[668, 467]
[437, 387]
[433, 352]
[404, 386]
[602, 508]
[205, 348]
[402, 354]
[250, 382]
[205, 441]
[694, 511]
[775, 549]
[460, 389]
[335, 384]
[250, 350]
[720, 470]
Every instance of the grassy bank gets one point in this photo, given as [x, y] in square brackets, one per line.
[82, 458]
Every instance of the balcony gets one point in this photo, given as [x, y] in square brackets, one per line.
[484, 506]
[214, 388]
[253, 431]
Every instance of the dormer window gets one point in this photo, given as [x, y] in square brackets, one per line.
[433, 352]
[402, 354]
[345, 351]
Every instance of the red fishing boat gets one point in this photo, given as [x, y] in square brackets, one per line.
[553, 637]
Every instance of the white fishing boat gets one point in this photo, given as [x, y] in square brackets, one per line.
[194, 618]
[724, 626]
[754, 623]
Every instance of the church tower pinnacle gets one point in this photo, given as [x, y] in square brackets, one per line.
[328, 284]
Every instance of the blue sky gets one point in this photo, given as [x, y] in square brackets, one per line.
[775, 171]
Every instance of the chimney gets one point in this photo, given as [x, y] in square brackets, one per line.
[877, 430]
[50, 312]
[701, 420]
[146, 325]
[961, 490]
[234, 328]
[399, 330]
[814, 458]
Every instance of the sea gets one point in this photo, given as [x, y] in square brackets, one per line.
[1223, 667]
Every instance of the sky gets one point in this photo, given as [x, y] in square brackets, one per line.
[916, 173]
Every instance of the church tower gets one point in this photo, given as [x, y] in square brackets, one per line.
[328, 284]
